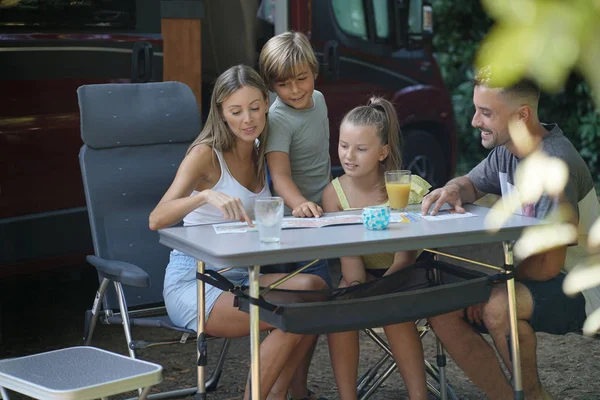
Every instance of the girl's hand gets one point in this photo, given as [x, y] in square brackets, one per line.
[231, 207]
[308, 209]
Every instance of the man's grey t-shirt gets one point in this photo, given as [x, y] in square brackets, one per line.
[304, 136]
[496, 175]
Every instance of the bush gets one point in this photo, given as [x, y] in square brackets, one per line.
[460, 25]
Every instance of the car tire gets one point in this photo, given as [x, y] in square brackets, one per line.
[423, 155]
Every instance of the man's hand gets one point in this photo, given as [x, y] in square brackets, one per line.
[307, 209]
[475, 314]
[448, 194]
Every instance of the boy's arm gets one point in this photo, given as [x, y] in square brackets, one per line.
[281, 175]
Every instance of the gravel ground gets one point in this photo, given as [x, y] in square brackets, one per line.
[45, 312]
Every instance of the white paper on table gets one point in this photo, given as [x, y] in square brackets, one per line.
[447, 214]
[292, 222]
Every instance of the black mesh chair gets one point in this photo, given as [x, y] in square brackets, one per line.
[135, 136]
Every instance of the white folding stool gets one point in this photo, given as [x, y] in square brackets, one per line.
[77, 373]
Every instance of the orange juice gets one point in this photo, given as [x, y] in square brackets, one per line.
[398, 194]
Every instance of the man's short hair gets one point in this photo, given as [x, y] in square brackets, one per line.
[522, 89]
[284, 54]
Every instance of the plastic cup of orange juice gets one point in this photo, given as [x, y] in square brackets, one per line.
[397, 185]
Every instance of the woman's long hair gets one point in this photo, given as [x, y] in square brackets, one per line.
[216, 133]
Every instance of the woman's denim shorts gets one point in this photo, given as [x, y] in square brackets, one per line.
[180, 291]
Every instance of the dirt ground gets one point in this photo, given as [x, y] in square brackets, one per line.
[46, 312]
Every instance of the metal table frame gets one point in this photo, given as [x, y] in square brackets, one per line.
[202, 243]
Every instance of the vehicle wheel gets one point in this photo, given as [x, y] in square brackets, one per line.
[423, 155]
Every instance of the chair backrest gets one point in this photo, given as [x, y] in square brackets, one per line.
[135, 136]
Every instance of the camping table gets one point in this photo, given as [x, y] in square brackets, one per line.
[243, 249]
[77, 373]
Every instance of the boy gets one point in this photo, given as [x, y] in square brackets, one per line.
[298, 142]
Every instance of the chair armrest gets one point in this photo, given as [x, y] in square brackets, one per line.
[120, 271]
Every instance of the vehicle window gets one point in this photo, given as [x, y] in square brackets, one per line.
[415, 17]
[350, 16]
[81, 14]
[382, 18]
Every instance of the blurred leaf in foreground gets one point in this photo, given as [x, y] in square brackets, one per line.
[547, 39]
[585, 276]
[536, 175]
[594, 235]
[541, 238]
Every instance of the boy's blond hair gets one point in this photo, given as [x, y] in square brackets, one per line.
[283, 55]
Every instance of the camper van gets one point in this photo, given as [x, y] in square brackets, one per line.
[48, 48]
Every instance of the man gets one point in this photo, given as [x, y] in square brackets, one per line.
[541, 304]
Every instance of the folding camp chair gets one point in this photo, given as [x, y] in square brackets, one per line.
[135, 136]
[377, 374]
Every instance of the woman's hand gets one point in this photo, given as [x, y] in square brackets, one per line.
[231, 207]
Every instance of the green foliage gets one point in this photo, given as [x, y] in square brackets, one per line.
[460, 26]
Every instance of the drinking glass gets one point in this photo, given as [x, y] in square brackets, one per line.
[397, 184]
[268, 212]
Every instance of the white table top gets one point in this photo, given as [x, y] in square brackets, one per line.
[244, 249]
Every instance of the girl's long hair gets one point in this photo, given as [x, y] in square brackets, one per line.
[381, 114]
[216, 133]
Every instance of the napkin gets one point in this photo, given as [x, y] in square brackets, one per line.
[419, 187]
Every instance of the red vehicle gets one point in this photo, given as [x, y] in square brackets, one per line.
[49, 48]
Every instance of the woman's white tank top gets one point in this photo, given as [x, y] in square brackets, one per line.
[208, 214]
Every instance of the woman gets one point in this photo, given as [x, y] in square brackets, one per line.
[221, 175]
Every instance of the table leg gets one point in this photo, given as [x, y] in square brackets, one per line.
[201, 344]
[254, 334]
[512, 313]
[441, 363]
[440, 356]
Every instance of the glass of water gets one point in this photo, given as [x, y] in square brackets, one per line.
[268, 212]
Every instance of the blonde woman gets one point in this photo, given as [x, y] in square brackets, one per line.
[219, 179]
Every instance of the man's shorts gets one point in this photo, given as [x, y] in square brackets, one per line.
[553, 311]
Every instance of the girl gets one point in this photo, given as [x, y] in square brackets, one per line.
[369, 146]
[221, 175]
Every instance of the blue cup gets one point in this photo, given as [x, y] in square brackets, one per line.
[376, 218]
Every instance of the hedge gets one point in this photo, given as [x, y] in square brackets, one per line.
[460, 25]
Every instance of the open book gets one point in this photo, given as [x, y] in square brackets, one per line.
[292, 222]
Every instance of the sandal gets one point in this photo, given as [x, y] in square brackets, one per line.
[311, 396]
